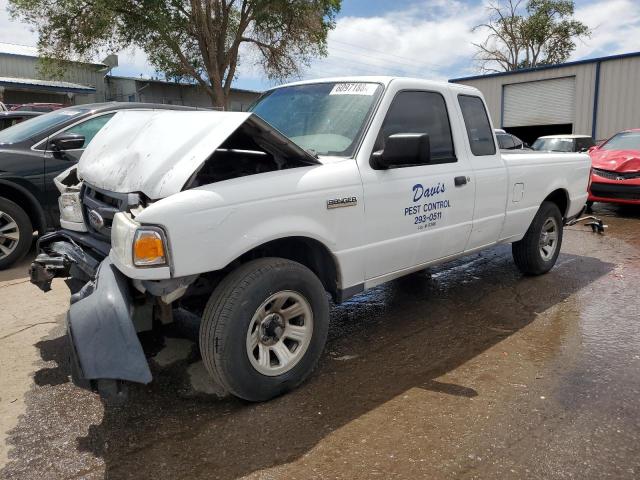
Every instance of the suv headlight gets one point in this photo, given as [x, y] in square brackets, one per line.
[136, 245]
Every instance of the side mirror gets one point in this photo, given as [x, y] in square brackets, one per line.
[67, 141]
[403, 150]
[591, 149]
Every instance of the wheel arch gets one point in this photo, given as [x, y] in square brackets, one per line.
[307, 251]
[22, 197]
[560, 197]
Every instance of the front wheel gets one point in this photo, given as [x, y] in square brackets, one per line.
[16, 233]
[264, 328]
[538, 251]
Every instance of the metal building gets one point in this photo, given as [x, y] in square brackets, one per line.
[21, 81]
[598, 97]
[132, 89]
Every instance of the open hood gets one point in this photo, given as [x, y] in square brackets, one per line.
[158, 152]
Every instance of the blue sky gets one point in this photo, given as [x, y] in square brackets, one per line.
[422, 38]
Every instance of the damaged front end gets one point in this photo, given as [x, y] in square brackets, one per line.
[134, 162]
[108, 310]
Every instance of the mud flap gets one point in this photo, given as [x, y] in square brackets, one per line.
[104, 339]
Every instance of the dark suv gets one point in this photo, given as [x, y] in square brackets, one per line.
[32, 153]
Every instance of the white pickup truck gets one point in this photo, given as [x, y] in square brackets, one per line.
[253, 220]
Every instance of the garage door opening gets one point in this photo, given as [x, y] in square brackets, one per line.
[529, 134]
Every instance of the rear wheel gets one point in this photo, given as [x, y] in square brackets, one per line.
[16, 233]
[264, 328]
[538, 251]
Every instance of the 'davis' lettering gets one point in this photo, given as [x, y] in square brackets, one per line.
[421, 192]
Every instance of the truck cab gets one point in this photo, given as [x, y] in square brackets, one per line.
[250, 219]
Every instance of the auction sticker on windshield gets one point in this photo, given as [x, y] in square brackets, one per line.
[354, 89]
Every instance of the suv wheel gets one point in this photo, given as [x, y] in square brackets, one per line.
[264, 328]
[16, 233]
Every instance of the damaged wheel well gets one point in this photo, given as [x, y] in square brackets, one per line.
[307, 251]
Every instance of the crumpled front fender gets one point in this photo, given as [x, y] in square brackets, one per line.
[104, 338]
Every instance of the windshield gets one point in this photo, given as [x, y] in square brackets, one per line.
[623, 141]
[36, 125]
[553, 145]
[327, 118]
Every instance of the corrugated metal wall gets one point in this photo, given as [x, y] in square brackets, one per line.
[618, 97]
[83, 74]
[121, 89]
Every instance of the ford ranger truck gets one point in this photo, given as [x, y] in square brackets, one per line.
[254, 221]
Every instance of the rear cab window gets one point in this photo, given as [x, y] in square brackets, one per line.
[478, 126]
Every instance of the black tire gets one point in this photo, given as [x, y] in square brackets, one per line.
[527, 253]
[10, 211]
[228, 317]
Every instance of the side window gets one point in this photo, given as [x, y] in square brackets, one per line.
[517, 142]
[478, 126]
[584, 144]
[505, 141]
[420, 112]
[91, 127]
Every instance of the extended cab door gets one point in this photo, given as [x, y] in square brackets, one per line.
[489, 171]
[415, 213]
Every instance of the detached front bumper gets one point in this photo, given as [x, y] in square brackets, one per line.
[103, 338]
[102, 332]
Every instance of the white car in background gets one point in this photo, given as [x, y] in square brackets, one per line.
[564, 143]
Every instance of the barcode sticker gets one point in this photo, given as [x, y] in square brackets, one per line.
[353, 89]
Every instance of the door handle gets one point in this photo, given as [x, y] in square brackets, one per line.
[460, 181]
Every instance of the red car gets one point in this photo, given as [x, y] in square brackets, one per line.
[37, 107]
[615, 172]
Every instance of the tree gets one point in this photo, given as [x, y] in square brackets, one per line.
[540, 33]
[199, 40]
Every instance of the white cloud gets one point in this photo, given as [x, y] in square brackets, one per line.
[14, 31]
[425, 40]
[615, 25]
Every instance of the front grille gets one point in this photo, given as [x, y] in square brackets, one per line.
[99, 207]
[614, 190]
[608, 174]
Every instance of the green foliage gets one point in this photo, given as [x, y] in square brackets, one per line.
[523, 36]
[201, 40]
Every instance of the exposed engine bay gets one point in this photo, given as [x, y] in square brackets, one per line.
[255, 147]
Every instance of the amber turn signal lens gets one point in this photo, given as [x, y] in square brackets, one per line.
[148, 248]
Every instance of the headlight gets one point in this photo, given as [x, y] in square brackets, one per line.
[136, 245]
[70, 207]
[148, 247]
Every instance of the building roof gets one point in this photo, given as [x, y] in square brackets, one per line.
[32, 52]
[15, 49]
[51, 85]
[547, 67]
[168, 82]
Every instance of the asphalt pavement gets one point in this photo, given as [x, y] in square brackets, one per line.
[468, 370]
